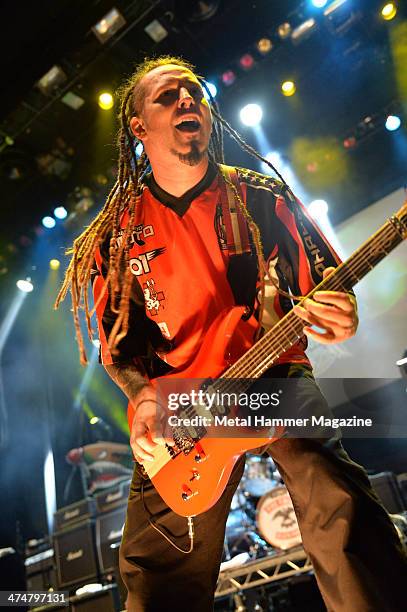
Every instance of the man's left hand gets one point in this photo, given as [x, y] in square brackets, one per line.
[333, 311]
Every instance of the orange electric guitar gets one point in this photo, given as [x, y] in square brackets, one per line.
[191, 476]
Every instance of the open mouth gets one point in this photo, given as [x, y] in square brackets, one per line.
[188, 125]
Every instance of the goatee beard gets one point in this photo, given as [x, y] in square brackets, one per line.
[193, 157]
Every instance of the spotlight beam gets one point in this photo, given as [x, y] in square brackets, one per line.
[86, 379]
[10, 318]
[5, 330]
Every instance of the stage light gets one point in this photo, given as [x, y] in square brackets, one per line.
[109, 25]
[48, 222]
[284, 30]
[156, 31]
[335, 6]
[50, 488]
[106, 100]
[319, 3]
[54, 264]
[264, 46]
[26, 285]
[389, 11]
[60, 212]
[246, 61]
[213, 90]
[350, 142]
[100, 430]
[51, 81]
[72, 100]
[251, 114]
[288, 88]
[228, 77]
[303, 31]
[318, 209]
[393, 123]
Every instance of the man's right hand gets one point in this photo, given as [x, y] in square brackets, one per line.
[149, 425]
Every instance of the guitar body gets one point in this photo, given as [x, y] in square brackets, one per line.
[192, 483]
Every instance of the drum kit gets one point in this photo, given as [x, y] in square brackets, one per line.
[262, 520]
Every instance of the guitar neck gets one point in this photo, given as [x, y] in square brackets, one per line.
[262, 355]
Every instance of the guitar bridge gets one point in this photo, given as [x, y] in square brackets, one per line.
[183, 441]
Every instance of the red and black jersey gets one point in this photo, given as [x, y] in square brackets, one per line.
[186, 276]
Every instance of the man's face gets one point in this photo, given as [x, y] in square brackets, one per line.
[175, 119]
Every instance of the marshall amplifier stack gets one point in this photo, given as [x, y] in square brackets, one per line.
[75, 545]
[85, 547]
[111, 507]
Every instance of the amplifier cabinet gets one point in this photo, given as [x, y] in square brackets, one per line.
[402, 481]
[42, 581]
[75, 513]
[105, 600]
[109, 530]
[40, 571]
[75, 554]
[113, 497]
[388, 490]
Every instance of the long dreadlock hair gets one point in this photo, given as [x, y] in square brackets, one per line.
[126, 194]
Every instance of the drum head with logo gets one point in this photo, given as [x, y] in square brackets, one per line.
[276, 520]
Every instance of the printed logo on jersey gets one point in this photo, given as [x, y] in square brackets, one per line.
[313, 249]
[137, 236]
[152, 297]
[140, 265]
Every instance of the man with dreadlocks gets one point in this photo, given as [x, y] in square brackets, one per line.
[181, 238]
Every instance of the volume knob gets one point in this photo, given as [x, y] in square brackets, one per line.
[195, 475]
[187, 494]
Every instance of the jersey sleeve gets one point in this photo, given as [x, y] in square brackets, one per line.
[294, 246]
[304, 251]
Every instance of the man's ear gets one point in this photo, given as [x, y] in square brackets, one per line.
[137, 128]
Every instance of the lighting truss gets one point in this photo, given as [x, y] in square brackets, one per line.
[263, 571]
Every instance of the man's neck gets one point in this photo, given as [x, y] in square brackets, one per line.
[178, 178]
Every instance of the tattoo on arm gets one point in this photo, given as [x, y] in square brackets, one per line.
[128, 377]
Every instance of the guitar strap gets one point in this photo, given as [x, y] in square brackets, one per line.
[242, 268]
[235, 225]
